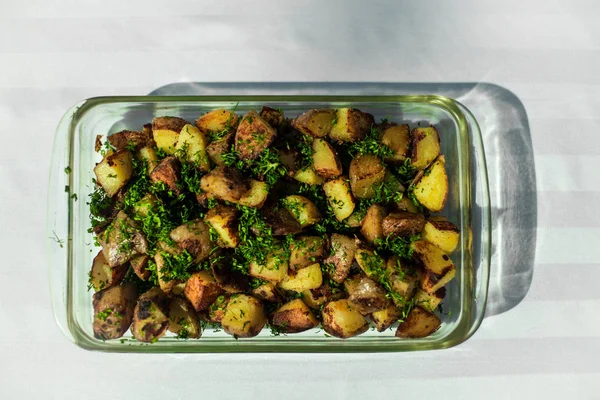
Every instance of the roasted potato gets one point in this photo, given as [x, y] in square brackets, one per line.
[397, 138]
[403, 280]
[256, 195]
[192, 144]
[385, 318]
[166, 130]
[217, 309]
[228, 279]
[425, 146]
[126, 138]
[202, 290]
[351, 125]
[113, 311]
[355, 220]
[429, 301]
[145, 205]
[302, 209]
[102, 276]
[183, 320]
[438, 268]
[194, 237]
[223, 220]
[217, 148]
[372, 226]
[114, 171]
[432, 189]
[139, 264]
[121, 241]
[244, 316]
[168, 172]
[341, 319]
[293, 317]
[402, 223]
[406, 204]
[339, 197]
[280, 220]
[306, 251]
[166, 281]
[316, 122]
[366, 173]
[442, 233]
[308, 176]
[369, 262]
[367, 296]
[306, 278]
[418, 324]
[341, 256]
[253, 136]
[216, 121]
[151, 316]
[326, 162]
[315, 298]
[274, 117]
[274, 268]
[225, 183]
[268, 292]
[149, 156]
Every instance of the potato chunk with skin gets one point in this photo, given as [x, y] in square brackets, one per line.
[194, 237]
[308, 176]
[397, 138]
[217, 148]
[341, 319]
[442, 233]
[326, 162]
[429, 301]
[402, 223]
[102, 276]
[268, 292]
[306, 278]
[139, 264]
[256, 195]
[370, 263]
[385, 318]
[367, 296]
[219, 120]
[303, 210]
[223, 220]
[351, 125]
[403, 280]
[126, 138]
[192, 143]
[113, 311]
[306, 251]
[418, 324]
[202, 290]
[165, 131]
[438, 268]
[432, 189]
[167, 172]
[274, 117]
[165, 280]
[366, 173]
[225, 183]
[293, 317]
[314, 298]
[114, 171]
[425, 146]
[244, 316]
[280, 220]
[342, 256]
[372, 226]
[339, 197]
[121, 241]
[149, 156]
[253, 136]
[316, 122]
[151, 316]
[274, 268]
[183, 320]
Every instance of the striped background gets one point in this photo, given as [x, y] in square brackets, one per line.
[53, 54]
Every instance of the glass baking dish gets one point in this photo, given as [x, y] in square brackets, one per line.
[71, 249]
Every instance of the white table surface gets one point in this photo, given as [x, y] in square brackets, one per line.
[53, 54]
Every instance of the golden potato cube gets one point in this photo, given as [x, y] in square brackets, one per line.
[223, 220]
[326, 162]
[351, 125]
[340, 197]
[308, 176]
[244, 316]
[303, 210]
[194, 237]
[202, 290]
[183, 320]
[403, 280]
[429, 301]
[149, 156]
[397, 138]
[418, 324]
[225, 183]
[425, 146]
[166, 284]
[432, 189]
[341, 319]
[387, 317]
[192, 143]
[366, 173]
[150, 317]
[442, 233]
[114, 171]
[165, 131]
[315, 122]
[102, 276]
[274, 269]
[438, 268]
[218, 120]
[306, 278]
[256, 195]
[306, 251]
[293, 317]
[268, 292]
[372, 226]
[253, 136]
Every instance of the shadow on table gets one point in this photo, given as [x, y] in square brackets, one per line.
[509, 152]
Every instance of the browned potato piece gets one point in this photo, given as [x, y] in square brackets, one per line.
[342, 256]
[397, 138]
[165, 280]
[351, 125]
[202, 290]
[315, 122]
[281, 221]
[224, 183]
[429, 301]
[368, 261]
[149, 156]
[308, 176]
[306, 251]
[274, 269]
[432, 189]
[273, 117]
[183, 320]
[256, 195]
[314, 298]
[425, 146]
[366, 173]
[442, 233]
[326, 162]
[167, 172]
[367, 296]
[165, 131]
[355, 220]
[113, 311]
[139, 264]
[341, 319]
[268, 292]
[418, 324]
[143, 207]
[244, 316]
[303, 210]
[340, 197]
[217, 148]
[193, 236]
[438, 268]
[253, 136]
[294, 317]
[151, 316]
[385, 318]
[403, 280]
[403, 224]
[231, 281]
[123, 139]
[217, 309]
[288, 159]
[192, 144]
[306, 278]
[114, 171]
[406, 204]
[217, 121]
[102, 276]
[121, 241]
[372, 227]
[223, 220]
